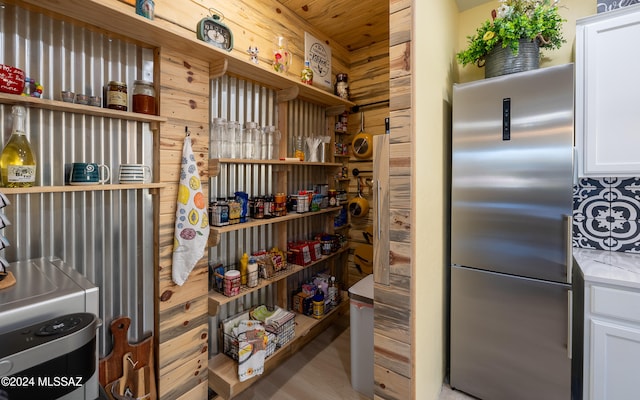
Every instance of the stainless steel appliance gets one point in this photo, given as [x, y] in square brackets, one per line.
[49, 293]
[511, 199]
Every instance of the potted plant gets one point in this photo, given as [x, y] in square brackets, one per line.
[516, 27]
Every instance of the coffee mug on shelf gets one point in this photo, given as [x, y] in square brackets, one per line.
[89, 174]
[134, 173]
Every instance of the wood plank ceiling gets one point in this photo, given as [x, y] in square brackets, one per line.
[353, 24]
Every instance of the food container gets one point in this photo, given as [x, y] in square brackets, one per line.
[117, 97]
[232, 282]
[144, 97]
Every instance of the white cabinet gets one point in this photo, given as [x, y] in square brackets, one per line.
[611, 369]
[615, 361]
[608, 94]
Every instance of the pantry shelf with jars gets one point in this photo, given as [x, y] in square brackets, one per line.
[285, 169]
[56, 105]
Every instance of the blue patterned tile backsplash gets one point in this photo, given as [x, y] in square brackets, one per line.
[606, 214]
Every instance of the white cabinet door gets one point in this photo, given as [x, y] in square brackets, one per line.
[615, 362]
[608, 94]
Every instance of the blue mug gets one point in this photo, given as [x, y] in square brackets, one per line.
[88, 174]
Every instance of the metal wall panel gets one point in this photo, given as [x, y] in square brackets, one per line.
[99, 233]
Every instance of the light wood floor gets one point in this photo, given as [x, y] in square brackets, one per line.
[320, 371]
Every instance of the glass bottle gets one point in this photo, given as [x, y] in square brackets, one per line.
[332, 292]
[306, 76]
[17, 162]
[299, 148]
[281, 55]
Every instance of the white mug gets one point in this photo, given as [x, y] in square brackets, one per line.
[134, 173]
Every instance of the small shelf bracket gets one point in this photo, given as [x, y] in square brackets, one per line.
[335, 110]
[218, 68]
[288, 94]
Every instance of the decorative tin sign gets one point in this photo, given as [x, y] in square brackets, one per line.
[319, 56]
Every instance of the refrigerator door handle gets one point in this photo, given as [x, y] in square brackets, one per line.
[568, 220]
[570, 323]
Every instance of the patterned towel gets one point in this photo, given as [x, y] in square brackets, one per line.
[192, 222]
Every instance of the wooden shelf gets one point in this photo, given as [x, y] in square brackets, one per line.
[121, 19]
[214, 163]
[223, 371]
[83, 188]
[217, 299]
[56, 105]
[342, 155]
[216, 231]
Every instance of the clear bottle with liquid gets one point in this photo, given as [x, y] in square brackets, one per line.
[17, 161]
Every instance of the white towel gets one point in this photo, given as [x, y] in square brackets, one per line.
[192, 222]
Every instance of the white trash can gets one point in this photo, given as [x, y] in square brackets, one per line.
[361, 320]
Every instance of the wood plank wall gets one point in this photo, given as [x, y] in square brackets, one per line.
[182, 310]
[368, 83]
[393, 337]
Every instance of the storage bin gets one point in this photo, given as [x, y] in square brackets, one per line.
[361, 320]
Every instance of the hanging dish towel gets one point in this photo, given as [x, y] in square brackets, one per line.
[192, 222]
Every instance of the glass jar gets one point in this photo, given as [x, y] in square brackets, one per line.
[144, 97]
[271, 143]
[342, 86]
[232, 141]
[117, 96]
[218, 137]
[250, 138]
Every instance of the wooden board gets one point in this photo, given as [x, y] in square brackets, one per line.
[111, 366]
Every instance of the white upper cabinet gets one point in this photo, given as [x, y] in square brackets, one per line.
[608, 94]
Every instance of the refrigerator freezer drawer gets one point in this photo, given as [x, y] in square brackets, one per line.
[509, 336]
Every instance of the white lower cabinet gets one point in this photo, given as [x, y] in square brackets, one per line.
[612, 342]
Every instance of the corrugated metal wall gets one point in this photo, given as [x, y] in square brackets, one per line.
[242, 101]
[99, 233]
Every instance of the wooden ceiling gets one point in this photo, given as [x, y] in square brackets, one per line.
[353, 24]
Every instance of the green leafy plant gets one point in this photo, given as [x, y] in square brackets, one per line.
[537, 20]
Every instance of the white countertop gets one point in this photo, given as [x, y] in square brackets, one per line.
[609, 266]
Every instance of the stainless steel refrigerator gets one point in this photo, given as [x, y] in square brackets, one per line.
[511, 202]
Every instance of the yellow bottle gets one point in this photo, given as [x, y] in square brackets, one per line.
[17, 162]
[244, 262]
